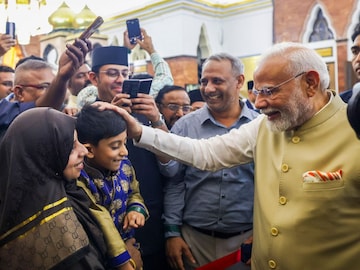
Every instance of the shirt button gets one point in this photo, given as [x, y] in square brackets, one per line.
[222, 196]
[282, 200]
[295, 139]
[274, 231]
[284, 167]
[272, 264]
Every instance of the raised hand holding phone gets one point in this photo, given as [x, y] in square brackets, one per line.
[134, 31]
[135, 86]
[10, 29]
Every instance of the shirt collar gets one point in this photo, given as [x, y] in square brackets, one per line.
[204, 113]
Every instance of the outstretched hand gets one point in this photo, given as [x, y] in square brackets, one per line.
[73, 58]
[145, 43]
[134, 128]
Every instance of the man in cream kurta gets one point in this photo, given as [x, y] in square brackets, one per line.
[307, 177]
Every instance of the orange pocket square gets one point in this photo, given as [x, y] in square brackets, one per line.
[318, 176]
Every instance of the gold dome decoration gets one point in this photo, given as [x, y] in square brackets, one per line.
[62, 18]
[84, 18]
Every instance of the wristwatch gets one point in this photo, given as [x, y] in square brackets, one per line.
[159, 122]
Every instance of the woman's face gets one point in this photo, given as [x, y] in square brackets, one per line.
[76, 160]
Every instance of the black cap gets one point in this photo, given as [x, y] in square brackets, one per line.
[109, 55]
[195, 95]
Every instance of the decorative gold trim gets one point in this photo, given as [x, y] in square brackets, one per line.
[33, 217]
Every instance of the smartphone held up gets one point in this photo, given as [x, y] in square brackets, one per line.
[135, 86]
[10, 29]
[134, 31]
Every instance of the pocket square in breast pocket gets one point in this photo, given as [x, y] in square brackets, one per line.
[319, 176]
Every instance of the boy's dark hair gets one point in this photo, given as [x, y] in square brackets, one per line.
[93, 125]
[167, 89]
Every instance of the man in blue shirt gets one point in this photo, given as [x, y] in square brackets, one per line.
[35, 85]
[209, 214]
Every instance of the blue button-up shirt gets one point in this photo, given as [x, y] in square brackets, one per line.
[10, 110]
[220, 201]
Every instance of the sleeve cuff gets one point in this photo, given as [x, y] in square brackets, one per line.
[172, 230]
[138, 209]
[119, 260]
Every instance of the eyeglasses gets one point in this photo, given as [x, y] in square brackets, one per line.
[43, 86]
[269, 91]
[7, 83]
[115, 73]
[176, 107]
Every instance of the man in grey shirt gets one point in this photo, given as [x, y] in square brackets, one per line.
[209, 214]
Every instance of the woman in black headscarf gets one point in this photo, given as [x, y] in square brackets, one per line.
[45, 221]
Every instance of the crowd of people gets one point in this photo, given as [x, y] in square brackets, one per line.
[170, 179]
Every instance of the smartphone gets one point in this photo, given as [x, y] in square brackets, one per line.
[10, 29]
[133, 28]
[135, 86]
[92, 28]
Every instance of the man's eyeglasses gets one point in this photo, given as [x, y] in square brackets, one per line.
[269, 91]
[43, 86]
[115, 73]
[7, 83]
[176, 107]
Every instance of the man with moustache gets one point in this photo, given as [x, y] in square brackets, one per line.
[76, 83]
[35, 84]
[306, 155]
[173, 102]
[209, 214]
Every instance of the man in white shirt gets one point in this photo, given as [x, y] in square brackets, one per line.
[307, 185]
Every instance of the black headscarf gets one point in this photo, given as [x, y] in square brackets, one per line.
[33, 155]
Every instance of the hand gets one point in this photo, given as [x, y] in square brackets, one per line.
[126, 41]
[134, 128]
[175, 249]
[248, 243]
[6, 42]
[134, 253]
[70, 111]
[146, 42]
[133, 219]
[145, 104]
[74, 57]
[122, 100]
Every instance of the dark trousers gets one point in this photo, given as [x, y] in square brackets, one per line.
[155, 261]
